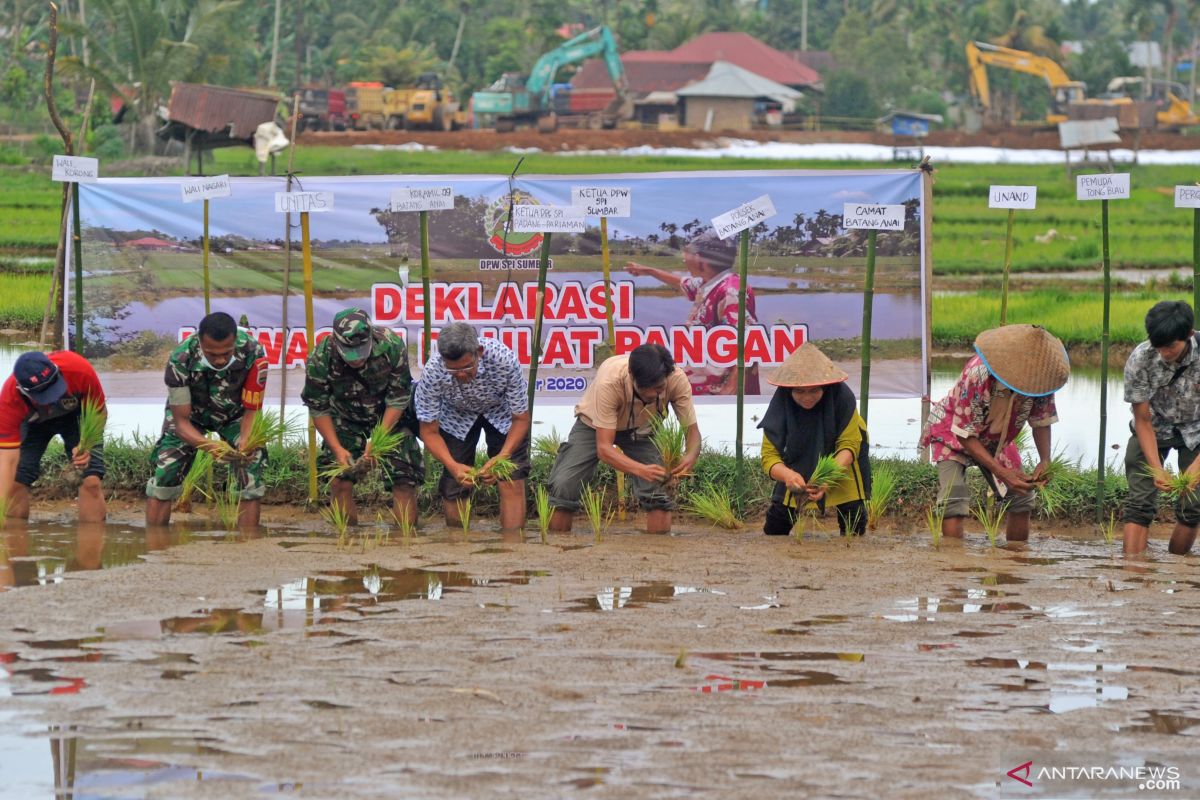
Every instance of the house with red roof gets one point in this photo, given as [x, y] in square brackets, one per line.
[151, 243]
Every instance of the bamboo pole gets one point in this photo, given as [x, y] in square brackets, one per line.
[287, 270]
[743, 265]
[306, 251]
[76, 237]
[864, 383]
[207, 285]
[427, 308]
[536, 344]
[1008, 248]
[606, 261]
[54, 316]
[1195, 259]
[1103, 366]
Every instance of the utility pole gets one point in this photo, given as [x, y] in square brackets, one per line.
[274, 44]
[803, 26]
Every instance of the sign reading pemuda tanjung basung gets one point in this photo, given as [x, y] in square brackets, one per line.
[804, 280]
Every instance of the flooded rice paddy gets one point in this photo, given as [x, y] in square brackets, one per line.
[195, 663]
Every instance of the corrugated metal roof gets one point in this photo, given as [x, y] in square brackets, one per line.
[216, 108]
[730, 80]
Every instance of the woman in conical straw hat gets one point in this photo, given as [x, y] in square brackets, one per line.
[812, 414]
[1010, 380]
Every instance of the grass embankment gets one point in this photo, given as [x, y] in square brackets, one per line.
[286, 478]
[1146, 231]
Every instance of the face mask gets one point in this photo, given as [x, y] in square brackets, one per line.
[206, 364]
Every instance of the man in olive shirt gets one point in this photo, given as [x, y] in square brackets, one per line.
[612, 424]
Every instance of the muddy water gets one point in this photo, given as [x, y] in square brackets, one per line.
[651, 666]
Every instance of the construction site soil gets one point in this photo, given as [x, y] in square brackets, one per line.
[578, 139]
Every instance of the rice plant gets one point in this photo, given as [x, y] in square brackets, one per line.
[267, 426]
[1109, 529]
[502, 469]
[827, 472]
[990, 516]
[4, 503]
[670, 439]
[883, 486]
[593, 509]
[935, 515]
[200, 472]
[380, 444]
[464, 505]
[91, 425]
[338, 517]
[715, 504]
[229, 504]
[800, 526]
[541, 499]
[407, 526]
[547, 444]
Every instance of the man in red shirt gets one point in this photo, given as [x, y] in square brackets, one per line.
[40, 400]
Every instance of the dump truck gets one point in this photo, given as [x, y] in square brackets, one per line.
[321, 109]
[372, 106]
[428, 104]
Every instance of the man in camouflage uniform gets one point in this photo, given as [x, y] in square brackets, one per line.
[356, 378]
[215, 382]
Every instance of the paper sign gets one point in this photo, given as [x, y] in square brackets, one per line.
[547, 219]
[423, 198]
[603, 201]
[1102, 187]
[205, 188]
[76, 169]
[743, 217]
[1012, 197]
[303, 201]
[1187, 196]
[872, 217]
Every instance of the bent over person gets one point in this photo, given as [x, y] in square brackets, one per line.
[215, 383]
[613, 425]
[1010, 381]
[470, 388]
[1162, 387]
[42, 399]
[358, 377]
[813, 414]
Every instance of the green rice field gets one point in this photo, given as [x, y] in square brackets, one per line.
[1061, 236]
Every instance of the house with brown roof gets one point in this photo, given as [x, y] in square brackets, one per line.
[656, 76]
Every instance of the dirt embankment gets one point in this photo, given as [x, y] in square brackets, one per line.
[568, 139]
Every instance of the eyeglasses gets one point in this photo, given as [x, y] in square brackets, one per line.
[467, 370]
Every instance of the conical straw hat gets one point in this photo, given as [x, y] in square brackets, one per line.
[807, 366]
[1026, 358]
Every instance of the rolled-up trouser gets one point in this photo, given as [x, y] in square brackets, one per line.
[954, 495]
[172, 457]
[576, 464]
[404, 466]
[1142, 500]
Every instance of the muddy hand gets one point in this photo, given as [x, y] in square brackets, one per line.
[80, 460]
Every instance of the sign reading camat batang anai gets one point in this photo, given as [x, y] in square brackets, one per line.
[804, 280]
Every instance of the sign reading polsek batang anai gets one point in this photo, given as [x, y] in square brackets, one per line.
[304, 202]
[75, 169]
[528, 218]
[1113, 186]
[603, 201]
[744, 217]
[205, 188]
[872, 217]
[1187, 196]
[423, 198]
[1012, 197]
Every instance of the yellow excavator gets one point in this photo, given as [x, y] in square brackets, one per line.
[1174, 112]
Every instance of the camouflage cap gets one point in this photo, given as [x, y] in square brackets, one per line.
[352, 334]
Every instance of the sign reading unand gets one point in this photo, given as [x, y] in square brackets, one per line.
[1012, 197]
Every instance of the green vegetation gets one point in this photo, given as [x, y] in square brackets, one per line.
[883, 486]
[714, 504]
[541, 502]
[990, 516]
[592, 500]
[670, 439]
[827, 472]
[91, 425]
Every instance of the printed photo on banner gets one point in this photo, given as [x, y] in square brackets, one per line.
[675, 281]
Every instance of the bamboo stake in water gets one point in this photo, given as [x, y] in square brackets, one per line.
[1195, 259]
[427, 302]
[207, 285]
[536, 345]
[77, 257]
[743, 264]
[864, 383]
[608, 292]
[287, 265]
[309, 325]
[1103, 366]
[1008, 248]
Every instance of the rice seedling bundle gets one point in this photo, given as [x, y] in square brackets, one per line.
[266, 427]
[229, 504]
[547, 444]
[670, 439]
[827, 472]
[714, 504]
[200, 471]
[1179, 485]
[502, 468]
[91, 425]
[380, 444]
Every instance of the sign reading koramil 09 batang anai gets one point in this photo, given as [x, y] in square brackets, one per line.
[673, 280]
